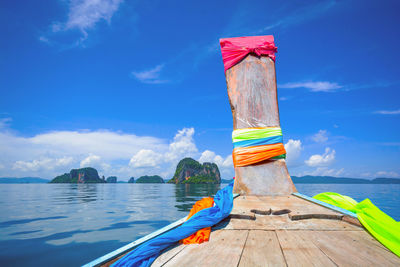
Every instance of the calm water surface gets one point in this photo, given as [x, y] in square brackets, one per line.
[70, 224]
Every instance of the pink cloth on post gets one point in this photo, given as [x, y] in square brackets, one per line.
[236, 49]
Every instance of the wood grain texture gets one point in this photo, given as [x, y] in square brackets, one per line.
[300, 251]
[252, 93]
[351, 248]
[253, 99]
[278, 241]
[262, 249]
[297, 206]
[308, 216]
[224, 249]
[167, 255]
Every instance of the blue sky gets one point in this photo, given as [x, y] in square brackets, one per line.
[131, 87]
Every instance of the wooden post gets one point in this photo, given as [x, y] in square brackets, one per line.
[254, 103]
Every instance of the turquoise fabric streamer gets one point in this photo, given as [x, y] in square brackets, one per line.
[145, 254]
[259, 142]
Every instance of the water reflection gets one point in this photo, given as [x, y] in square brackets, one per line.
[76, 193]
[187, 194]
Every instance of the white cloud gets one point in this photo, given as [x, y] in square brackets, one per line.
[289, 18]
[111, 153]
[210, 156]
[183, 145]
[293, 150]
[5, 123]
[84, 15]
[322, 160]
[320, 137]
[325, 171]
[90, 161]
[225, 165]
[146, 158]
[42, 164]
[228, 162]
[100, 149]
[388, 112]
[207, 156]
[387, 174]
[151, 76]
[313, 86]
[103, 143]
[44, 40]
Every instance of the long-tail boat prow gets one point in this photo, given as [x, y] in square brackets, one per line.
[270, 224]
[254, 103]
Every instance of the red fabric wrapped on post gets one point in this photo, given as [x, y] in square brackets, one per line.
[235, 49]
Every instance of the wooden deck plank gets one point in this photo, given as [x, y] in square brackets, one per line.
[347, 248]
[293, 203]
[300, 251]
[298, 206]
[369, 239]
[168, 255]
[283, 222]
[224, 248]
[276, 240]
[262, 249]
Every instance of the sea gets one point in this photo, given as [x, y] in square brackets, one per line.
[73, 224]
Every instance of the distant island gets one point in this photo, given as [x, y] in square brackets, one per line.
[190, 171]
[308, 179]
[155, 179]
[90, 175]
[341, 180]
[84, 176]
[112, 179]
[23, 180]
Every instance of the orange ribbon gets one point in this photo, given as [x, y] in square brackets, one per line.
[244, 156]
[203, 234]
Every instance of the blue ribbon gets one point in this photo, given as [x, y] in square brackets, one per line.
[145, 254]
[258, 142]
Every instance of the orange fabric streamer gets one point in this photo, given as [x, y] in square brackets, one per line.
[203, 234]
[244, 156]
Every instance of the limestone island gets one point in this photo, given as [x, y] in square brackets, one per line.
[112, 179]
[79, 176]
[190, 171]
[155, 179]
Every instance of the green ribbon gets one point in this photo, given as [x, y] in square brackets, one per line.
[380, 225]
[255, 133]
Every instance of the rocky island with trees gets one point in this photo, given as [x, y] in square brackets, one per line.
[154, 179]
[84, 176]
[188, 171]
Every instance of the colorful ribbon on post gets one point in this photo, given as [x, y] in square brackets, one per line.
[236, 49]
[253, 145]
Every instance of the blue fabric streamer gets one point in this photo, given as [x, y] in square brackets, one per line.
[145, 254]
[258, 142]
